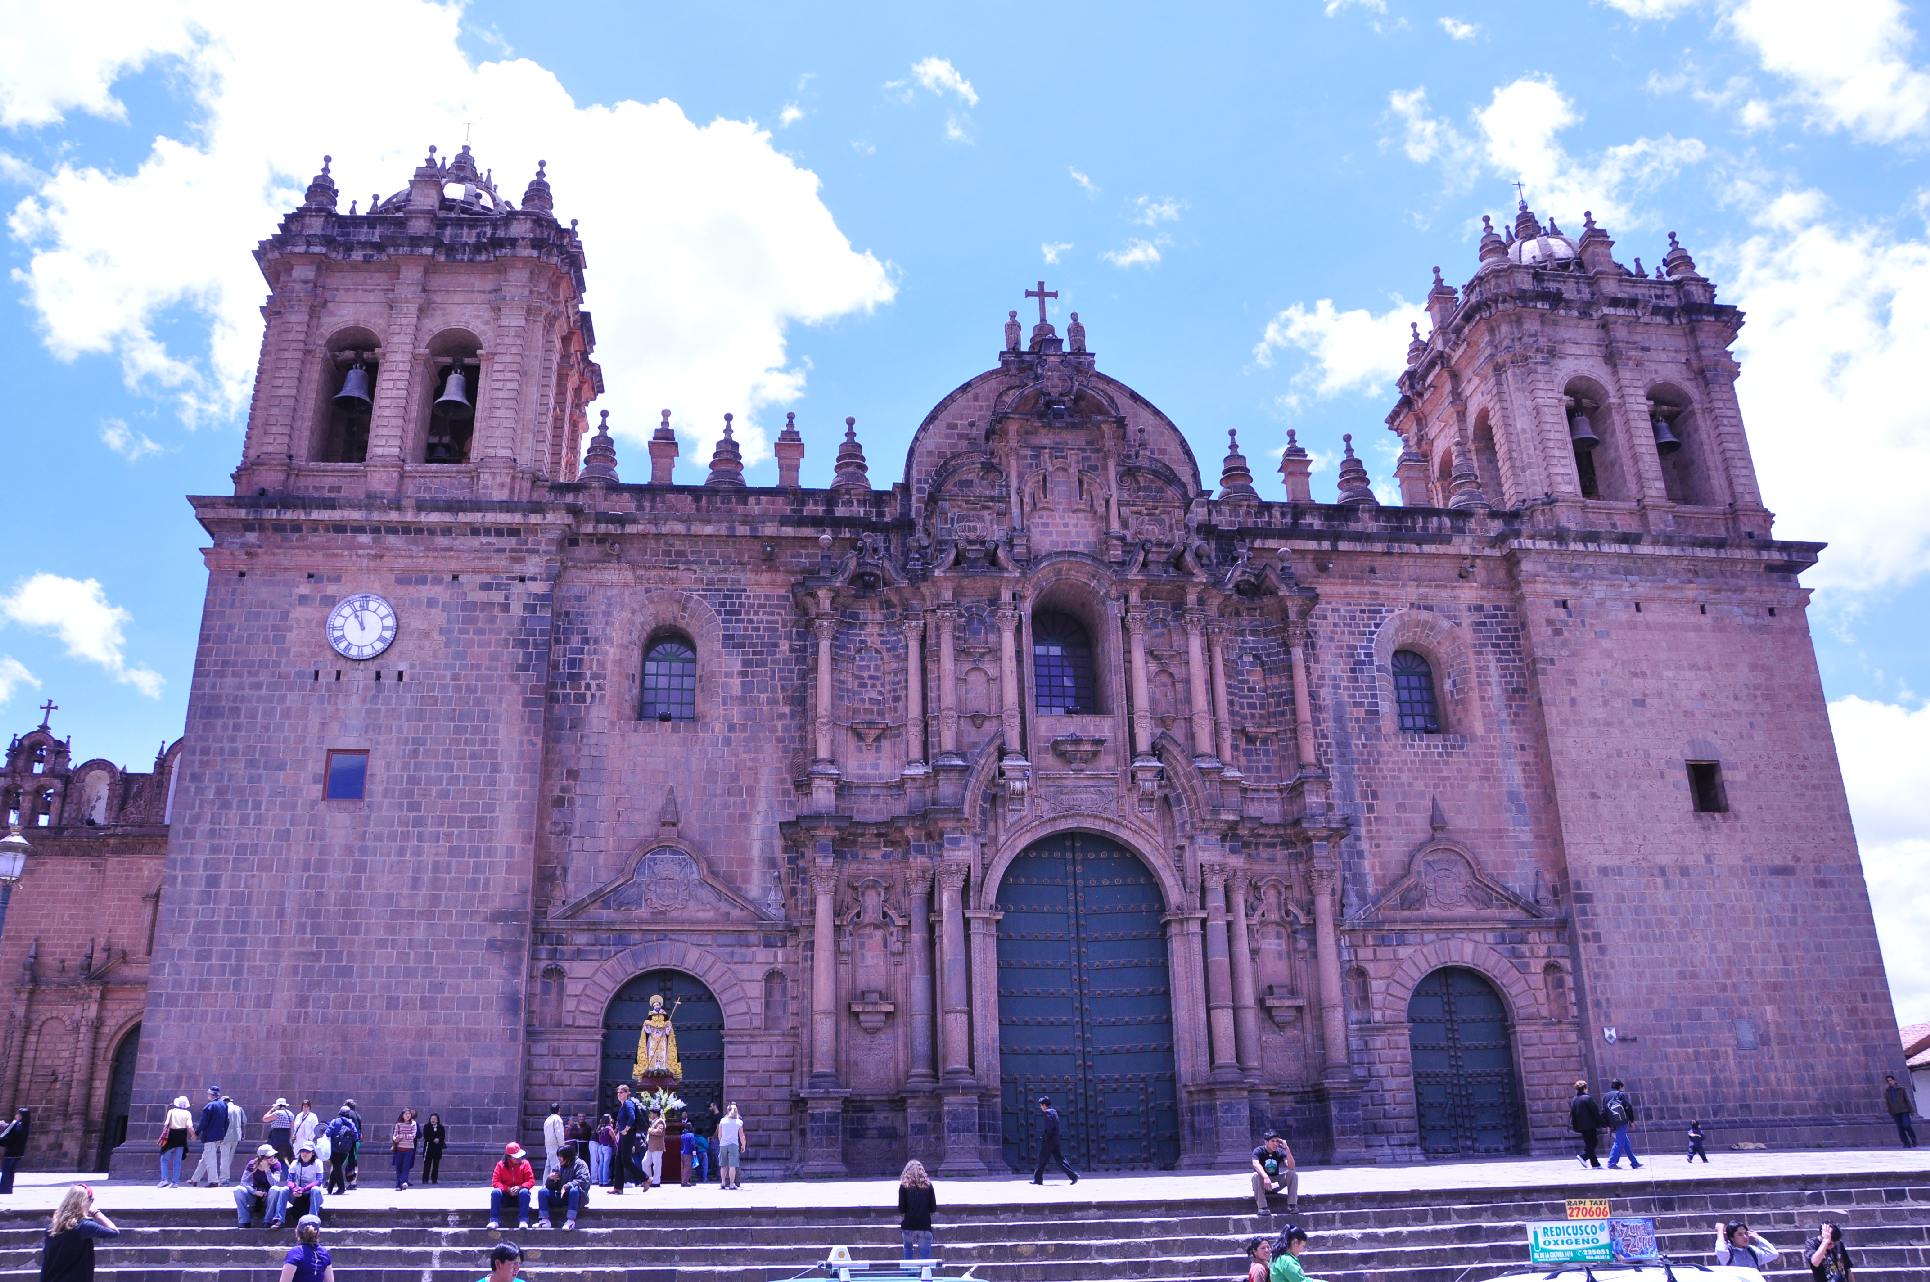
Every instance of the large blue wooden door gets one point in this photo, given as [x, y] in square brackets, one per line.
[700, 1037]
[1465, 1089]
[120, 1090]
[1085, 1007]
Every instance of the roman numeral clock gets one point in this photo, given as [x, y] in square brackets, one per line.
[361, 626]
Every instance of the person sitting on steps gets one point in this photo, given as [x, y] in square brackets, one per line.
[1274, 1172]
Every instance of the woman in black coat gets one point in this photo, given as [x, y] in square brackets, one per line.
[13, 1147]
[435, 1138]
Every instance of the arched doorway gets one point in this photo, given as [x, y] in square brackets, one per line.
[1085, 1007]
[120, 1090]
[1466, 1094]
[700, 1037]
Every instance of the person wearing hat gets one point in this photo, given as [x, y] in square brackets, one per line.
[280, 1123]
[304, 1189]
[176, 1131]
[307, 1260]
[258, 1190]
[1274, 1172]
[214, 1135]
[512, 1180]
[342, 1134]
[504, 1260]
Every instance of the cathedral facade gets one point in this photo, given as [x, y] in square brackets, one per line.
[1046, 767]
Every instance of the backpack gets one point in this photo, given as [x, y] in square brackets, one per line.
[341, 1132]
[1617, 1109]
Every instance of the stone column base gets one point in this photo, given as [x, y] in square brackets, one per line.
[959, 1122]
[1221, 1117]
[823, 1134]
[1343, 1100]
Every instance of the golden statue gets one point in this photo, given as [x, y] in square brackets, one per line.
[657, 1046]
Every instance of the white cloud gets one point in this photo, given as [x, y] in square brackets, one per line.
[791, 114]
[59, 59]
[1426, 138]
[1839, 320]
[1885, 753]
[130, 443]
[1848, 62]
[1135, 253]
[1371, 6]
[941, 77]
[13, 675]
[1085, 183]
[958, 126]
[1459, 30]
[1647, 9]
[863, 147]
[697, 298]
[1051, 249]
[1148, 212]
[1351, 351]
[79, 613]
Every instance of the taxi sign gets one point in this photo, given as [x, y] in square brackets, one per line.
[1589, 1208]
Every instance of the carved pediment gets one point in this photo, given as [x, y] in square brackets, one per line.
[1443, 882]
[664, 881]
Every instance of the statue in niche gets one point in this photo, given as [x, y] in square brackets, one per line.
[657, 1044]
[1272, 930]
[873, 934]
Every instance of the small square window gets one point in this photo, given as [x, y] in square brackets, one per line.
[1705, 786]
[346, 776]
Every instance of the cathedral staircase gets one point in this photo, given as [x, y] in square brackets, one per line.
[1435, 1236]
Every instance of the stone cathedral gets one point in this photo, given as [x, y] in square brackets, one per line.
[1048, 766]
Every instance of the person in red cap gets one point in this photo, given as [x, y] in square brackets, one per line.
[513, 1179]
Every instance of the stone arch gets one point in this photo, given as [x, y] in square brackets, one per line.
[776, 1005]
[91, 799]
[1444, 643]
[1692, 471]
[1128, 836]
[653, 614]
[1082, 588]
[591, 999]
[1615, 476]
[1471, 954]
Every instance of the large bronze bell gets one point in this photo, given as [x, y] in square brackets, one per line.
[1581, 433]
[454, 401]
[355, 389]
[1666, 441]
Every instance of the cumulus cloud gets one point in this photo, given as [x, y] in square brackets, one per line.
[44, 75]
[1847, 63]
[1333, 7]
[130, 443]
[1051, 249]
[1148, 212]
[1647, 9]
[78, 612]
[1083, 182]
[1134, 253]
[941, 77]
[791, 114]
[1341, 351]
[698, 295]
[1885, 752]
[13, 675]
[1459, 30]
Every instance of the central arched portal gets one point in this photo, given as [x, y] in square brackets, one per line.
[700, 1037]
[1085, 1006]
[1467, 1097]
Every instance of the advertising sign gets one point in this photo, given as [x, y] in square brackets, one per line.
[1633, 1239]
[1570, 1242]
[1591, 1208]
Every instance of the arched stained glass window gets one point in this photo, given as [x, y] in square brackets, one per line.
[669, 680]
[1062, 674]
[1414, 696]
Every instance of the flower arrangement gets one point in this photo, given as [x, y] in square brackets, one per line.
[665, 1102]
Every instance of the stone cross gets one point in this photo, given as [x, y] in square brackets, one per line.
[1041, 293]
[49, 708]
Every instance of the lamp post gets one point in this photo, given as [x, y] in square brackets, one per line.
[13, 862]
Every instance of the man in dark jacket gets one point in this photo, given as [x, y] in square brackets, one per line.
[628, 1115]
[1585, 1119]
[1898, 1104]
[1049, 1143]
[214, 1135]
[13, 1147]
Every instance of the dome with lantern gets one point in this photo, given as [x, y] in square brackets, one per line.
[465, 188]
[1532, 245]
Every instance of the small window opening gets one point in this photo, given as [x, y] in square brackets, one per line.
[1062, 670]
[1414, 694]
[1705, 786]
[669, 680]
[345, 433]
[345, 776]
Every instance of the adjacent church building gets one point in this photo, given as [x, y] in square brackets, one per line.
[1048, 765]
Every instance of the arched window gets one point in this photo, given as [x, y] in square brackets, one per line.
[669, 679]
[1062, 675]
[1414, 698]
[455, 382]
[345, 427]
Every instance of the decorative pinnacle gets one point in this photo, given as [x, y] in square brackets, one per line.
[728, 416]
[1414, 330]
[850, 427]
[1487, 225]
[1438, 282]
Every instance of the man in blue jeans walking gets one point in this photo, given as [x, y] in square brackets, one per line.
[1619, 1111]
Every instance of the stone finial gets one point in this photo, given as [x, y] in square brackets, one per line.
[1355, 489]
[789, 448]
[1410, 474]
[1677, 262]
[1441, 301]
[663, 452]
[1236, 478]
[1416, 345]
[1639, 269]
[1296, 469]
[1464, 483]
[600, 460]
[1493, 248]
[1595, 246]
[726, 462]
[425, 185]
[1013, 331]
[463, 167]
[850, 471]
[1075, 334]
[1527, 226]
[321, 193]
[536, 196]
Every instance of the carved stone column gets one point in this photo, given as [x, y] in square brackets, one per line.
[1325, 878]
[924, 1074]
[1142, 707]
[1219, 976]
[955, 1000]
[1246, 1011]
[81, 1080]
[1196, 677]
[824, 767]
[824, 976]
[947, 683]
[915, 695]
[1308, 749]
[1222, 713]
[1199, 1123]
[1008, 623]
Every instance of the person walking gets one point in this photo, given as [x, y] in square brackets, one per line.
[1736, 1245]
[258, 1188]
[628, 1115]
[308, 1259]
[554, 1137]
[653, 1149]
[730, 1147]
[1585, 1119]
[603, 1142]
[435, 1138]
[176, 1130]
[307, 1125]
[354, 1167]
[13, 1146]
[1620, 1111]
[342, 1135]
[1274, 1171]
[1696, 1140]
[402, 1147]
[67, 1251]
[214, 1132]
[281, 1124]
[509, 1184]
[1829, 1260]
[1902, 1107]
[917, 1201]
[1049, 1144]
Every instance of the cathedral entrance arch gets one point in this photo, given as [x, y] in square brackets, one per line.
[699, 1025]
[120, 1091]
[1466, 1095]
[1085, 1005]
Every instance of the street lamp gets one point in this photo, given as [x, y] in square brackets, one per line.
[13, 862]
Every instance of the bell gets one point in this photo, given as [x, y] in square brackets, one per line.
[1666, 441]
[455, 395]
[355, 389]
[1581, 433]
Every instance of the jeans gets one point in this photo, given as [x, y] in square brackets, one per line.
[286, 1204]
[1906, 1129]
[917, 1243]
[599, 1163]
[499, 1201]
[572, 1200]
[251, 1201]
[404, 1160]
[1621, 1148]
[8, 1165]
[171, 1164]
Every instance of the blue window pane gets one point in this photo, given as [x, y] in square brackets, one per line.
[347, 776]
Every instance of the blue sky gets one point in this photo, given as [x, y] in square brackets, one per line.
[829, 210]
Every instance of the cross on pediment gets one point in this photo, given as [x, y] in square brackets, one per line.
[1042, 293]
[49, 708]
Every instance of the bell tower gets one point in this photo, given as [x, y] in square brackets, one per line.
[433, 344]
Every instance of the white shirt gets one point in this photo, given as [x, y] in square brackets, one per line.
[553, 1133]
[730, 1130]
[307, 1127]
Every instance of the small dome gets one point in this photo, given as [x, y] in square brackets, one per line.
[1545, 250]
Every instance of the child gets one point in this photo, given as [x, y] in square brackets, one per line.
[1695, 1142]
[688, 1146]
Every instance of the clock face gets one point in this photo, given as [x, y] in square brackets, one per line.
[361, 626]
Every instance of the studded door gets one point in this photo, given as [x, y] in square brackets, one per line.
[1085, 1007]
[1465, 1089]
[700, 1037]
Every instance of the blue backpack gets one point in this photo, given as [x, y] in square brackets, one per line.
[341, 1133]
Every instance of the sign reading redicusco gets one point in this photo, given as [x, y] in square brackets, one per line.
[1570, 1242]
